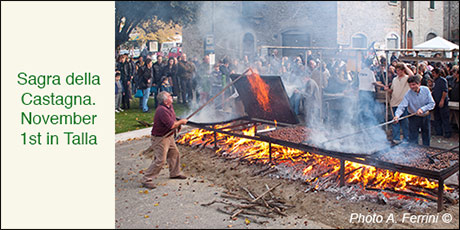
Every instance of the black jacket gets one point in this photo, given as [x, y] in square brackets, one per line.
[157, 69]
[144, 75]
[169, 72]
[185, 70]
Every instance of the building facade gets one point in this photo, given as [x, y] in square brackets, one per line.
[239, 28]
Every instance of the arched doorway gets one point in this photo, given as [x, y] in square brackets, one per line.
[248, 45]
[409, 40]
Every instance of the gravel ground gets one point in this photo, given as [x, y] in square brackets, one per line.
[175, 203]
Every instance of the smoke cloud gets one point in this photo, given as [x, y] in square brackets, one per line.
[224, 20]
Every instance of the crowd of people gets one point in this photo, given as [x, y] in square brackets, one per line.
[307, 77]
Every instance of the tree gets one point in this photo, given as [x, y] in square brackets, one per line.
[129, 15]
[158, 30]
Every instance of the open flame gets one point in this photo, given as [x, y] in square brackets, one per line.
[260, 89]
[314, 166]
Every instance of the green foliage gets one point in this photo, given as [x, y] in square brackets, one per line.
[129, 15]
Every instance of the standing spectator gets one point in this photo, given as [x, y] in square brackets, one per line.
[132, 74]
[399, 88]
[123, 67]
[418, 100]
[145, 83]
[381, 75]
[157, 72]
[203, 75]
[394, 57]
[170, 71]
[454, 93]
[139, 64]
[450, 75]
[225, 73]
[185, 72]
[216, 82]
[441, 110]
[367, 84]
[426, 75]
[118, 93]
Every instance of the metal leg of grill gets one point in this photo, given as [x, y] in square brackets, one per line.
[342, 172]
[215, 140]
[440, 194]
[270, 151]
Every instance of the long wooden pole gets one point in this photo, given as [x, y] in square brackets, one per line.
[362, 130]
[199, 109]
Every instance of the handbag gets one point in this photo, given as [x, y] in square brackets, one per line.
[139, 93]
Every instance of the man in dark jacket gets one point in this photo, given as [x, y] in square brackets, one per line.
[157, 69]
[185, 72]
[145, 83]
[441, 110]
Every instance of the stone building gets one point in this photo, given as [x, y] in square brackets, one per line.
[451, 26]
[238, 28]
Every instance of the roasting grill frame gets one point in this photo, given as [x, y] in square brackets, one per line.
[247, 122]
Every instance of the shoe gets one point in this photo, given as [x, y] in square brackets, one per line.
[395, 142]
[117, 111]
[121, 110]
[180, 177]
[149, 185]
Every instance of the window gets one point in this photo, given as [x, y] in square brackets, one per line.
[359, 41]
[393, 2]
[393, 41]
[432, 5]
[410, 10]
[295, 38]
[430, 36]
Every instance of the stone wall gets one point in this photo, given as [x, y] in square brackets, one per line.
[328, 24]
[451, 9]
[374, 19]
[426, 20]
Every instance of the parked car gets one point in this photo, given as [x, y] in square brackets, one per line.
[175, 52]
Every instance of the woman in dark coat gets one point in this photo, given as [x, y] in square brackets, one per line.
[170, 71]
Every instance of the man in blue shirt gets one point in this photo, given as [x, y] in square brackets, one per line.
[418, 100]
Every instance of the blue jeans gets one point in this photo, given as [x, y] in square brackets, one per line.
[416, 123]
[402, 124]
[145, 99]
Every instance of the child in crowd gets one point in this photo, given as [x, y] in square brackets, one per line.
[165, 85]
[118, 92]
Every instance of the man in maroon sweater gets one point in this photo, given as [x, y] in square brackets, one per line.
[163, 122]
